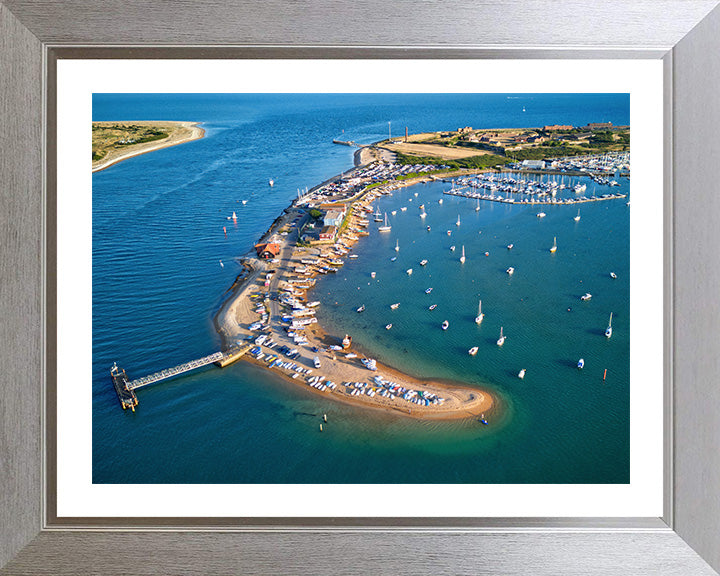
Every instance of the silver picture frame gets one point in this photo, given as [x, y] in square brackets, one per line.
[684, 34]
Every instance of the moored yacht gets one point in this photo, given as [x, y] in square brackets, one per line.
[510, 271]
[473, 351]
[462, 258]
[608, 330]
[581, 363]
[445, 325]
[385, 227]
[480, 315]
[501, 340]
[553, 249]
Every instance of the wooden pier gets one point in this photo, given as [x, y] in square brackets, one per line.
[125, 388]
[347, 143]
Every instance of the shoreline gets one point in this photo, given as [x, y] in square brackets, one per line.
[196, 132]
[386, 388]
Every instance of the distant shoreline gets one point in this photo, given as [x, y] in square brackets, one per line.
[194, 133]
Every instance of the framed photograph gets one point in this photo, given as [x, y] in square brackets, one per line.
[373, 298]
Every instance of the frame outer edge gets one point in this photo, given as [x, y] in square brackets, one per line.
[20, 284]
[696, 119]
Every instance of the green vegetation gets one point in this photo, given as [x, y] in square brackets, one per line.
[411, 175]
[472, 162]
[107, 137]
[315, 214]
[374, 185]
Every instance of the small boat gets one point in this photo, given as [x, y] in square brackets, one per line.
[422, 206]
[428, 290]
[432, 307]
[509, 247]
[510, 271]
[271, 182]
[361, 309]
[397, 246]
[373, 274]
[541, 214]
[452, 248]
[458, 221]
[403, 209]
[244, 202]
[409, 271]
[353, 256]
[501, 340]
[608, 330]
[351, 355]
[393, 259]
[445, 325]
[521, 374]
[482, 419]
[423, 262]
[416, 194]
[473, 351]
[394, 306]
[386, 227]
[221, 264]
[378, 216]
[316, 362]
[613, 275]
[462, 258]
[449, 232]
[553, 249]
[480, 315]
[393, 212]
[581, 363]
[428, 228]
[388, 326]
[586, 296]
[477, 208]
[440, 201]
[423, 214]
[234, 216]
[487, 253]
[577, 218]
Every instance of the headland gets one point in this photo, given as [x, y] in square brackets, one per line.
[113, 142]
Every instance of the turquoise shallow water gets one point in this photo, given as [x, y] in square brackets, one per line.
[158, 220]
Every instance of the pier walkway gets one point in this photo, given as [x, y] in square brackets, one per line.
[170, 372]
[125, 388]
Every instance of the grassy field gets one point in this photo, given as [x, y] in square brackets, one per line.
[114, 141]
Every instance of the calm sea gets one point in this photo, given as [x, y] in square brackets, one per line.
[157, 281]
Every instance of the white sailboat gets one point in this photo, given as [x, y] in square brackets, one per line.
[462, 258]
[397, 246]
[501, 340]
[521, 374]
[577, 218]
[608, 330]
[554, 246]
[477, 208]
[386, 227]
[458, 221]
[480, 316]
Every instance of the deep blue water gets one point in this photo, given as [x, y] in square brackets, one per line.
[158, 239]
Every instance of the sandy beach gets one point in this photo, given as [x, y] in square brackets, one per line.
[258, 287]
[180, 132]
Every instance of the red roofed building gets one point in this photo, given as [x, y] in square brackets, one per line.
[270, 250]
